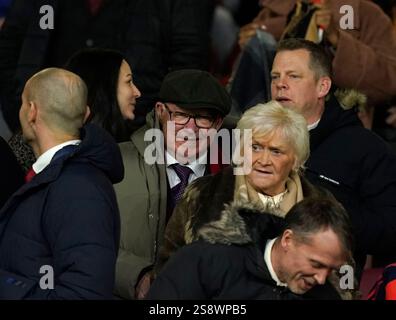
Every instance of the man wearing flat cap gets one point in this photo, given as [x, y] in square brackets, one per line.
[191, 103]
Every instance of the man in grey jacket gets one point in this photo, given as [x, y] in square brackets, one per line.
[161, 159]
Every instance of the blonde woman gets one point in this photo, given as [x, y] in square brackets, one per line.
[277, 152]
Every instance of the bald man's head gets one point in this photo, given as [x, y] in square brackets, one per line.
[61, 97]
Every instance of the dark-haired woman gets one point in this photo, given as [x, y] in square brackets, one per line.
[111, 92]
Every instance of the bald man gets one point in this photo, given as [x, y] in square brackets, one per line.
[59, 232]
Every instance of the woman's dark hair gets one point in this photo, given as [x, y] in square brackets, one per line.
[99, 68]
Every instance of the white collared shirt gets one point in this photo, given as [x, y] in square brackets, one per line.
[272, 202]
[313, 125]
[44, 160]
[268, 262]
[198, 169]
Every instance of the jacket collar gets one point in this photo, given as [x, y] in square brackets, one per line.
[333, 118]
[48, 175]
[152, 122]
[97, 147]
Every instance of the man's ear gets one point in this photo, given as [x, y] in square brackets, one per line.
[33, 112]
[159, 108]
[87, 114]
[159, 114]
[218, 123]
[287, 239]
[324, 85]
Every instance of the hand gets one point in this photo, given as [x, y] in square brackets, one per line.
[325, 20]
[391, 119]
[143, 286]
[249, 30]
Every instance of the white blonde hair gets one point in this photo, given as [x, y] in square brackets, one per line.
[267, 119]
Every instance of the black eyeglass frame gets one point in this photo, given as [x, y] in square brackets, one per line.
[212, 119]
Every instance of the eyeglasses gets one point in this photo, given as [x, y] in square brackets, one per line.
[181, 118]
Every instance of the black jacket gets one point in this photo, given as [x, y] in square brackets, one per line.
[203, 202]
[228, 263]
[359, 168]
[156, 36]
[11, 177]
[66, 217]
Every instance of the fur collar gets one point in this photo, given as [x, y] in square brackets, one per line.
[349, 98]
[241, 223]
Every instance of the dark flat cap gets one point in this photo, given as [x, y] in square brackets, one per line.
[192, 89]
